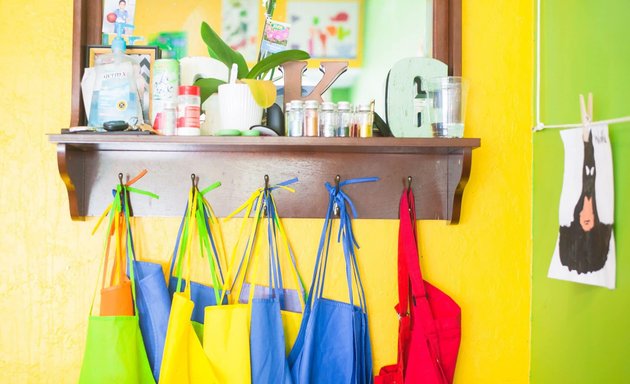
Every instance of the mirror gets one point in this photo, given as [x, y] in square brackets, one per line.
[389, 31]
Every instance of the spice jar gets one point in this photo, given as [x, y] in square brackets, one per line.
[188, 111]
[327, 120]
[363, 120]
[344, 118]
[311, 118]
[294, 119]
[169, 118]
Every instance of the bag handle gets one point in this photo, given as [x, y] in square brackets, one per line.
[263, 204]
[339, 199]
[276, 228]
[409, 257]
[195, 221]
[212, 224]
[243, 264]
[207, 242]
[115, 211]
[120, 193]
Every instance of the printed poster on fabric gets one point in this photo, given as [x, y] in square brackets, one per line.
[585, 249]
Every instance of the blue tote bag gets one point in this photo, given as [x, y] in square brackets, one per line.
[201, 294]
[268, 354]
[333, 345]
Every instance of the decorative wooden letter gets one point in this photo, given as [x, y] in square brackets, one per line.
[406, 99]
[294, 70]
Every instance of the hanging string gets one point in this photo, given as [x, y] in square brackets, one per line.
[542, 126]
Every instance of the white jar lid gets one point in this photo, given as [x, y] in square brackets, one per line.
[311, 104]
[328, 106]
[188, 132]
[344, 105]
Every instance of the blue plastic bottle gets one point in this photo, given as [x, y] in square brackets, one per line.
[115, 93]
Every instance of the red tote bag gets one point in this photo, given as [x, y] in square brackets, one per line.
[429, 331]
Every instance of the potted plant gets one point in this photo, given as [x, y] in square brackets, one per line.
[262, 91]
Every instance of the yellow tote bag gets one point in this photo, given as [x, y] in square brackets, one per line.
[226, 342]
[226, 327]
[184, 360]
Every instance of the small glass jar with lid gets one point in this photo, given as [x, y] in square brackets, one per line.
[344, 118]
[328, 120]
[363, 119]
[311, 118]
[294, 119]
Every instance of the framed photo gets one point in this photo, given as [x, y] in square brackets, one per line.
[145, 56]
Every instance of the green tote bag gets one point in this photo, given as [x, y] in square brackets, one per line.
[114, 350]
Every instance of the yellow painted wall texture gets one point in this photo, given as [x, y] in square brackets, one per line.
[50, 262]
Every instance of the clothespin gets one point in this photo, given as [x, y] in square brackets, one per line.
[587, 115]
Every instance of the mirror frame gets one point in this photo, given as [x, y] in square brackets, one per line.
[447, 42]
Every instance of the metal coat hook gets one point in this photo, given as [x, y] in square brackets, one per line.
[409, 180]
[193, 179]
[123, 195]
[264, 201]
[122, 185]
[336, 206]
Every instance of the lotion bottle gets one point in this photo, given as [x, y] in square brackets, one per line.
[115, 94]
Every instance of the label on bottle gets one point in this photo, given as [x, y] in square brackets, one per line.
[113, 97]
[188, 116]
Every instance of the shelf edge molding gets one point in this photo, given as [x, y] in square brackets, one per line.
[440, 168]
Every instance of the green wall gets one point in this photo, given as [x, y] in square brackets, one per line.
[581, 334]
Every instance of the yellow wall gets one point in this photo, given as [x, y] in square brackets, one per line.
[50, 262]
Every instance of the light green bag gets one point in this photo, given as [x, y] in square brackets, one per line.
[114, 349]
[114, 352]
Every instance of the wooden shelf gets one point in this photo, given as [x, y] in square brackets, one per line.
[89, 165]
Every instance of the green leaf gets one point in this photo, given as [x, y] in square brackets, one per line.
[208, 87]
[217, 49]
[242, 65]
[275, 60]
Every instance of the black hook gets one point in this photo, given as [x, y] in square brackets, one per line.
[335, 205]
[193, 178]
[123, 195]
[264, 200]
[409, 179]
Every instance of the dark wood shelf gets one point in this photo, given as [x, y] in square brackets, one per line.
[89, 165]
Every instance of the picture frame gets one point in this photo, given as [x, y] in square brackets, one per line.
[145, 55]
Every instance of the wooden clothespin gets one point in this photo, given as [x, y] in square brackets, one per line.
[587, 115]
